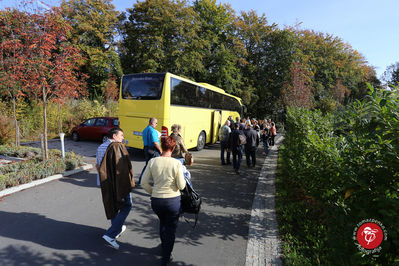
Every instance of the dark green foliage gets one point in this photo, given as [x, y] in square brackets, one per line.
[94, 30]
[339, 169]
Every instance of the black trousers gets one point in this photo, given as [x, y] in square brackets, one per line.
[250, 154]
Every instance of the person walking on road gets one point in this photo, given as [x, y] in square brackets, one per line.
[224, 142]
[166, 173]
[116, 180]
[101, 152]
[151, 143]
[236, 147]
[180, 147]
[251, 145]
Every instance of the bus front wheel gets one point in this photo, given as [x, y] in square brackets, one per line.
[201, 141]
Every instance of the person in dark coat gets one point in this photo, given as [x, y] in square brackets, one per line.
[116, 181]
[236, 147]
[251, 145]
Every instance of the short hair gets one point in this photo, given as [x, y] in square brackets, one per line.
[113, 131]
[168, 143]
[151, 120]
[176, 127]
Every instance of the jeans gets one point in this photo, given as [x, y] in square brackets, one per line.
[237, 157]
[266, 147]
[223, 147]
[119, 219]
[250, 153]
[147, 157]
[168, 211]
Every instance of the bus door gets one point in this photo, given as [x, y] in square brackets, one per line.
[216, 123]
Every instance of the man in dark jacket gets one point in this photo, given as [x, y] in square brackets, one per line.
[236, 147]
[116, 180]
[251, 145]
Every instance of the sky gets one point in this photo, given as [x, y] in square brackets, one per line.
[371, 27]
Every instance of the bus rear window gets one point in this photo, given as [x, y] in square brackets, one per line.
[142, 86]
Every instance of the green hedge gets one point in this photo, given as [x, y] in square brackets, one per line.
[335, 171]
[32, 169]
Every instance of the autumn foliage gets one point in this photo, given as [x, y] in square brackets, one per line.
[37, 58]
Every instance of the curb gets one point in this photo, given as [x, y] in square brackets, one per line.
[264, 245]
[12, 190]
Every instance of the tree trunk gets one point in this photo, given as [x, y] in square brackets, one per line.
[59, 119]
[15, 122]
[45, 123]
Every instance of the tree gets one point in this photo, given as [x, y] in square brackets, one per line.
[52, 61]
[336, 69]
[297, 91]
[160, 36]
[94, 28]
[223, 51]
[12, 34]
[391, 74]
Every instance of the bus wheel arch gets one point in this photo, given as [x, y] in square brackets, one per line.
[201, 140]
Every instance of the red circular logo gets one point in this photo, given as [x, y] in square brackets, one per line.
[370, 235]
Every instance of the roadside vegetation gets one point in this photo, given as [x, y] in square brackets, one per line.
[33, 167]
[61, 117]
[335, 170]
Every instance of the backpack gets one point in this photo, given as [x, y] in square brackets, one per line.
[242, 140]
[190, 202]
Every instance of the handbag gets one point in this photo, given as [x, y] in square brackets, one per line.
[190, 202]
[188, 159]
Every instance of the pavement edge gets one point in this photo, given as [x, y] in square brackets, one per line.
[264, 245]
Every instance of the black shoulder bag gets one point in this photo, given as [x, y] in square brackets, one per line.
[190, 202]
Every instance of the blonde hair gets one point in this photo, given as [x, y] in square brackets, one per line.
[175, 128]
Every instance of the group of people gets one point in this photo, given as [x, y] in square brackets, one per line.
[164, 173]
[163, 176]
[243, 136]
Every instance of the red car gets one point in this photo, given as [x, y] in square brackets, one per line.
[95, 128]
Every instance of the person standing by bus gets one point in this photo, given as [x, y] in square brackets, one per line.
[236, 147]
[251, 145]
[224, 142]
[151, 142]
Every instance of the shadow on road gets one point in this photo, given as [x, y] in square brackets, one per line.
[62, 235]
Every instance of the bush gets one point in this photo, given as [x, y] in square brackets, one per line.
[337, 170]
[26, 171]
[72, 113]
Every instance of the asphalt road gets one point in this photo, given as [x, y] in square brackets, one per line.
[62, 222]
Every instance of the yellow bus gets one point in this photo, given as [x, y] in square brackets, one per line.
[199, 108]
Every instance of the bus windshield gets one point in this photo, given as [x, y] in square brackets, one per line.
[142, 86]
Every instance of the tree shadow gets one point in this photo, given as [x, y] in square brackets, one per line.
[69, 237]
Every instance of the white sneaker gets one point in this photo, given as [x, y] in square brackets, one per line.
[123, 230]
[111, 241]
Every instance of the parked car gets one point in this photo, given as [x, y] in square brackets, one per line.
[95, 128]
